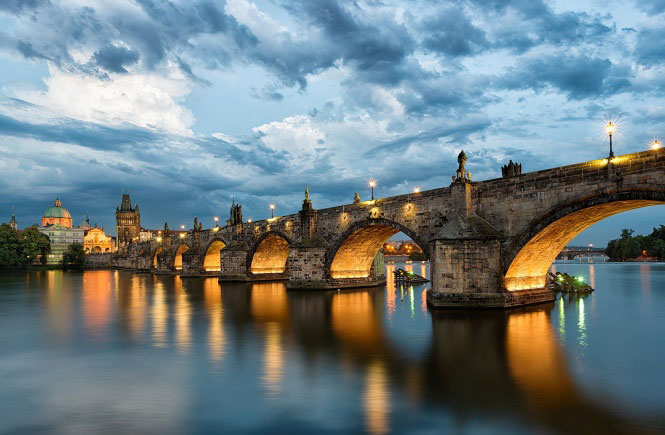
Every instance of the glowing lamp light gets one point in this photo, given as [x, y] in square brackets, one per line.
[372, 183]
[272, 210]
[182, 227]
[216, 219]
[655, 144]
[182, 235]
[580, 278]
[249, 221]
[610, 128]
[416, 189]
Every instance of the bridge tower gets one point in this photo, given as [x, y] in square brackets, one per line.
[128, 222]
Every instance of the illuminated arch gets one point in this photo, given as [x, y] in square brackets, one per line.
[154, 256]
[269, 254]
[351, 256]
[530, 256]
[177, 258]
[212, 261]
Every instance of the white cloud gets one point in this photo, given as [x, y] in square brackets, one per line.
[148, 99]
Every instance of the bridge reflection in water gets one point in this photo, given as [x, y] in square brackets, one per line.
[507, 366]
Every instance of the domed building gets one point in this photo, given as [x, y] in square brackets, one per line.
[58, 226]
[57, 214]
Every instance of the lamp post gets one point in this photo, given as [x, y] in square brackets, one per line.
[416, 189]
[182, 227]
[372, 183]
[216, 219]
[610, 128]
[655, 144]
[272, 211]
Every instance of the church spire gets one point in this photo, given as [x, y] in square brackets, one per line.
[13, 222]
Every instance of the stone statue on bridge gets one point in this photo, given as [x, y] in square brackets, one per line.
[462, 174]
[235, 215]
[356, 198]
[511, 169]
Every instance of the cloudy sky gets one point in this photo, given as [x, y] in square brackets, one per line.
[187, 102]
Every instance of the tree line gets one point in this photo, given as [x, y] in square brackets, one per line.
[628, 246]
[31, 247]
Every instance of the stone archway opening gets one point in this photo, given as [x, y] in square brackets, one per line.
[177, 261]
[212, 261]
[154, 257]
[355, 256]
[97, 249]
[528, 269]
[270, 256]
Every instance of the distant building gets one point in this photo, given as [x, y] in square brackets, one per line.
[85, 224]
[57, 225]
[57, 214]
[96, 241]
[13, 222]
[128, 222]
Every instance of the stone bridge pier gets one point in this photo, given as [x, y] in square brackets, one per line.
[490, 243]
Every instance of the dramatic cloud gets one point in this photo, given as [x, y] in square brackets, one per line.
[188, 102]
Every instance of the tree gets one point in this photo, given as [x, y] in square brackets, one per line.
[33, 245]
[9, 247]
[626, 233]
[74, 256]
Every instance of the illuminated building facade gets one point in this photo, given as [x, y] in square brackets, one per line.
[96, 242]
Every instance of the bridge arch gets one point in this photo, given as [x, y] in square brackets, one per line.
[352, 254]
[211, 257]
[158, 250]
[269, 253]
[177, 257]
[530, 255]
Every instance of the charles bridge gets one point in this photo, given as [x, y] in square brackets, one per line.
[490, 243]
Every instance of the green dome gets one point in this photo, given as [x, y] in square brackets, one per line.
[57, 211]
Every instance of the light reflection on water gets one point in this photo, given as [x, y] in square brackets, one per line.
[255, 357]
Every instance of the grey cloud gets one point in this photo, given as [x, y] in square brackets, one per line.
[649, 48]
[114, 59]
[451, 33]
[578, 76]
[651, 7]
[17, 6]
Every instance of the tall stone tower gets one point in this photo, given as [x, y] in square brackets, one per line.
[127, 222]
[13, 222]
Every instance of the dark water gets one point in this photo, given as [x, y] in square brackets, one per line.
[117, 352]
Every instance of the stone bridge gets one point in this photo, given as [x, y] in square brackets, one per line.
[490, 243]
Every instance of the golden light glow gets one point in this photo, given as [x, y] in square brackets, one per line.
[416, 189]
[372, 183]
[655, 144]
[177, 261]
[270, 256]
[182, 227]
[610, 128]
[216, 219]
[249, 221]
[182, 235]
[212, 260]
[159, 239]
[215, 229]
[272, 206]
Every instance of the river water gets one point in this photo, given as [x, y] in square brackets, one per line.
[120, 352]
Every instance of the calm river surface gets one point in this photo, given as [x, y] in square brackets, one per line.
[119, 352]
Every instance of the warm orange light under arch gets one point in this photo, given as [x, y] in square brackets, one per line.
[177, 261]
[529, 268]
[354, 258]
[270, 256]
[154, 258]
[212, 261]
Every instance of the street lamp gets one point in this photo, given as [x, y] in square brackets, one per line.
[272, 211]
[416, 189]
[372, 184]
[182, 227]
[216, 219]
[655, 144]
[610, 128]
